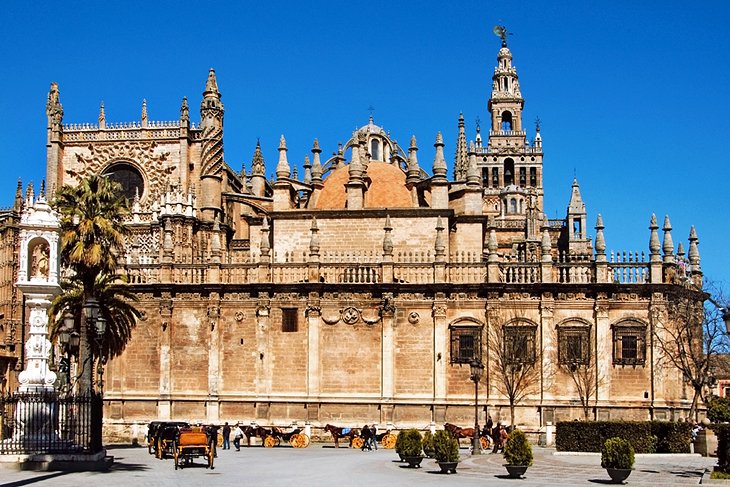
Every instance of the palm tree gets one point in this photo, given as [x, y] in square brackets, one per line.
[92, 236]
[116, 304]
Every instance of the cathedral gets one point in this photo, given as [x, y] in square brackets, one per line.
[364, 291]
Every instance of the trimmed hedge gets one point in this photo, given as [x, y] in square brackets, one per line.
[718, 411]
[644, 436]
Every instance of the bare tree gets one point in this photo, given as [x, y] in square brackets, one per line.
[577, 359]
[689, 336]
[587, 380]
[514, 356]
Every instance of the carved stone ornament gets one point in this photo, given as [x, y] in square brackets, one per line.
[263, 310]
[350, 315]
[151, 162]
[414, 318]
[313, 311]
[439, 310]
[239, 316]
[332, 320]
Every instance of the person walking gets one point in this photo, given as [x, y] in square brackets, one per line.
[237, 435]
[226, 436]
[366, 434]
[374, 437]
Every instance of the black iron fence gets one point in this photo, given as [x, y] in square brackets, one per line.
[50, 422]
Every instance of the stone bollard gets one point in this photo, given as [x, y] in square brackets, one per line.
[549, 434]
[706, 443]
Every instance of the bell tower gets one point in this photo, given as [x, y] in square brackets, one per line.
[511, 166]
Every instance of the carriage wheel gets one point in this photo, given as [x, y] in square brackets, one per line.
[269, 442]
[305, 440]
[484, 441]
[388, 441]
[219, 441]
[295, 441]
[357, 442]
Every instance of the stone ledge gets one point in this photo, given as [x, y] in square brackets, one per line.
[73, 462]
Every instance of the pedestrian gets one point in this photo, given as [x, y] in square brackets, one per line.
[503, 435]
[226, 436]
[495, 437]
[487, 431]
[366, 434]
[374, 436]
[237, 435]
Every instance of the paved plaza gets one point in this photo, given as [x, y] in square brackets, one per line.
[321, 464]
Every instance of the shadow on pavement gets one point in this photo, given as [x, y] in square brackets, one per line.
[121, 466]
[603, 481]
[33, 480]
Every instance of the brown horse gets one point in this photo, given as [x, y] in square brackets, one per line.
[338, 433]
[459, 432]
[256, 432]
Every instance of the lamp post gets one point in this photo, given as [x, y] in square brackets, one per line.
[100, 325]
[476, 374]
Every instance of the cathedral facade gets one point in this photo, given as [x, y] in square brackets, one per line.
[362, 292]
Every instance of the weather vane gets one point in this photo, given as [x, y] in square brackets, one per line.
[371, 109]
[501, 31]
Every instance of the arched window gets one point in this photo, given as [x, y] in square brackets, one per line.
[128, 176]
[629, 343]
[506, 121]
[509, 171]
[513, 205]
[466, 343]
[375, 150]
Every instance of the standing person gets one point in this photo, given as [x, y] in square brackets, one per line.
[366, 435]
[226, 436]
[374, 436]
[495, 437]
[237, 435]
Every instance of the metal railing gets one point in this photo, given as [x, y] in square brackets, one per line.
[50, 422]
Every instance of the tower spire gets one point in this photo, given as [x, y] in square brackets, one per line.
[461, 158]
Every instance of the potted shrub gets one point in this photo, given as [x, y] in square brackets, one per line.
[428, 448]
[412, 447]
[617, 457]
[517, 454]
[399, 445]
[446, 451]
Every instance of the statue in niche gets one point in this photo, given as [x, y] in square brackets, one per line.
[39, 264]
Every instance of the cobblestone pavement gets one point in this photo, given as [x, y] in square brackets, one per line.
[323, 465]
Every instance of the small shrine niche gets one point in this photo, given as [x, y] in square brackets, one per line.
[40, 252]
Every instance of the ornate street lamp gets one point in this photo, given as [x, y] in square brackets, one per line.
[476, 375]
[100, 330]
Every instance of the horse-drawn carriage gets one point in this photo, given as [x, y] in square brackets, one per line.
[356, 440]
[295, 438]
[191, 444]
[273, 436]
[161, 435]
[458, 432]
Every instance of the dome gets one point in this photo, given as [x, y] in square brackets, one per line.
[386, 189]
[504, 52]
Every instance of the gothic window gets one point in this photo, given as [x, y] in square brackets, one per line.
[574, 345]
[485, 177]
[289, 320]
[375, 150]
[513, 205]
[495, 177]
[506, 121]
[533, 177]
[629, 344]
[128, 176]
[523, 177]
[466, 344]
[509, 171]
[519, 344]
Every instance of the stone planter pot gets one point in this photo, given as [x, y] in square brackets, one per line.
[448, 467]
[618, 475]
[516, 471]
[414, 462]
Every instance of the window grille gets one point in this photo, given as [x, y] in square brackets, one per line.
[519, 344]
[466, 344]
[574, 345]
[629, 344]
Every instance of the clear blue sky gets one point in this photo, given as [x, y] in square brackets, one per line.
[633, 96]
